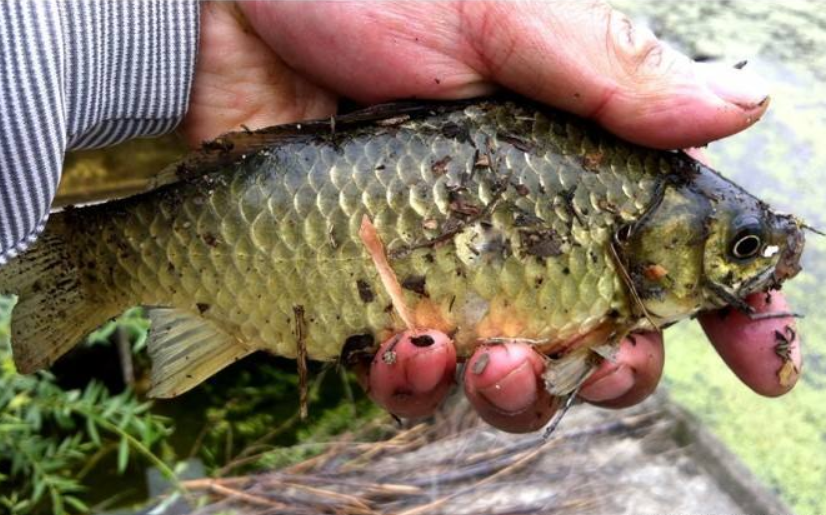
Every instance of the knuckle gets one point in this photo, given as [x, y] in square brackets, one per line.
[599, 9]
[635, 51]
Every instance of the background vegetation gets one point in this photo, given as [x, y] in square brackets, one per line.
[80, 437]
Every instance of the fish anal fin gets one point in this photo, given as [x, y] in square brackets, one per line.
[186, 350]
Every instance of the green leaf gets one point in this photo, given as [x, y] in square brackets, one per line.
[101, 336]
[22, 506]
[140, 341]
[76, 503]
[123, 455]
[57, 502]
[112, 406]
[39, 488]
[92, 430]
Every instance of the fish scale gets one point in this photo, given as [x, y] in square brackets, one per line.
[260, 237]
[500, 213]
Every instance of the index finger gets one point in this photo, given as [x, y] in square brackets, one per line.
[764, 354]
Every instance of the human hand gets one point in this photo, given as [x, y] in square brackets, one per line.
[266, 63]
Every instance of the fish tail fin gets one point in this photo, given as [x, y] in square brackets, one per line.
[53, 310]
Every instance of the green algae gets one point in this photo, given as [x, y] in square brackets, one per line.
[782, 160]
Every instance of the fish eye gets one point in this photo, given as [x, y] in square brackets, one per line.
[747, 243]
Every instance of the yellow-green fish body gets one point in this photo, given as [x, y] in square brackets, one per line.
[501, 220]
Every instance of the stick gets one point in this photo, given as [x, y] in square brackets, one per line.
[372, 242]
[300, 340]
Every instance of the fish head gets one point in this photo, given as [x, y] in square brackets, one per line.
[705, 244]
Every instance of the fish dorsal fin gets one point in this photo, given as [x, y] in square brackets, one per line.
[229, 148]
[186, 350]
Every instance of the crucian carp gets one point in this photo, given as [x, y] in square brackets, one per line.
[498, 219]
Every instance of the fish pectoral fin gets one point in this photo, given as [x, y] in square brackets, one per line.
[607, 351]
[564, 375]
[186, 350]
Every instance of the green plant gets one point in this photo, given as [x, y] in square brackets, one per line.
[132, 323]
[50, 438]
[57, 444]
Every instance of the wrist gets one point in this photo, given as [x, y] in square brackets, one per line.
[128, 68]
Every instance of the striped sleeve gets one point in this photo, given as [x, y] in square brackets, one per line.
[82, 74]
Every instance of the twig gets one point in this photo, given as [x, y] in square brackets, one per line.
[315, 460]
[260, 443]
[379, 447]
[372, 242]
[125, 354]
[95, 458]
[522, 461]
[249, 452]
[638, 304]
[348, 391]
[301, 344]
[349, 499]
[216, 487]
[196, 445]
[569, 401]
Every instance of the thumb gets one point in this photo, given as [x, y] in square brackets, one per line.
[590, 59]
[579, 56]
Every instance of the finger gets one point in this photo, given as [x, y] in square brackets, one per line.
[631, 377]
[698, 154]
[764, 354]
[504, 385]
[590, 59]
[412, 373]
[583, 57]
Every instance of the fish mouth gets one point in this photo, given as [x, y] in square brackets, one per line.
[788, 265]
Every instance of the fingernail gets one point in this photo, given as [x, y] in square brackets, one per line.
[514, 392]
[427, 369]
[612, 386]
[735, 86]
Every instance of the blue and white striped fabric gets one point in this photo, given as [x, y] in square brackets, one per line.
[82, 74]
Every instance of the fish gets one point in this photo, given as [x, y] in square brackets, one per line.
[496, 219]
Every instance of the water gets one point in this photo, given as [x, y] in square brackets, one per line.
[782, 160]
